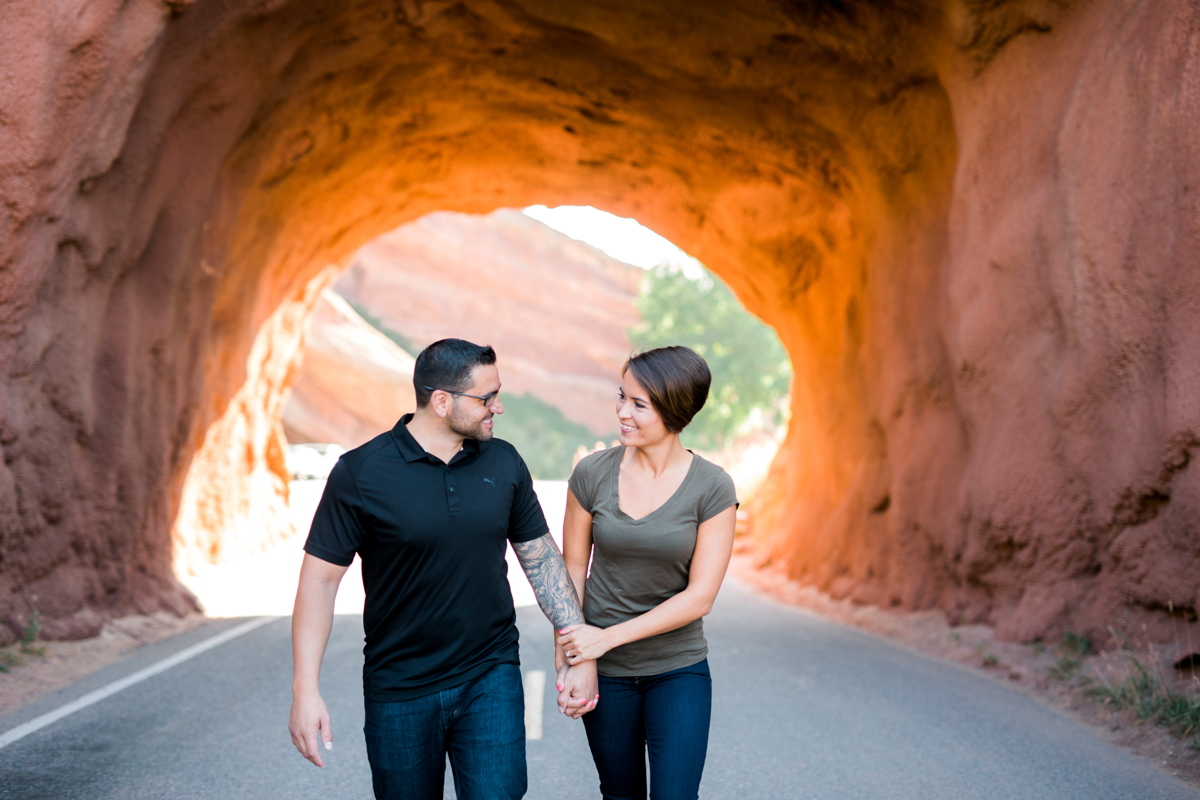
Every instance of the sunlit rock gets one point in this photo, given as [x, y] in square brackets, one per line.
[556, 310]
[352, 383]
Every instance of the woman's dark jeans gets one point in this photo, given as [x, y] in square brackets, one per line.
[480, 724]
[668, 715]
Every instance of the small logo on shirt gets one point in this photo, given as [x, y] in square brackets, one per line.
[489, 480]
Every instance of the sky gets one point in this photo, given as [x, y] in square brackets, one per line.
[622, 238]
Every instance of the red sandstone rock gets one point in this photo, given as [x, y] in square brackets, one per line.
[352, 383]
[974, 226]
[235, 499]
[556, 309]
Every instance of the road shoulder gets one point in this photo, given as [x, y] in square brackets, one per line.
[1019, 666]
[65, 663]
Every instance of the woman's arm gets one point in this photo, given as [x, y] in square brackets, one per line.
[714, 546]
[577, 552]
[577, 542]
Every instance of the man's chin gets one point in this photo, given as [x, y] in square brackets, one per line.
[480, 434]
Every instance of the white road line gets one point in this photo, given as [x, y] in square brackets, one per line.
[534, 682]
[37, 723]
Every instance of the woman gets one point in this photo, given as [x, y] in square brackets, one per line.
[661, 521]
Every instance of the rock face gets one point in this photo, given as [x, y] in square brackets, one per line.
[556, 309]
[352, 383]
[974, 225]
[235, 499]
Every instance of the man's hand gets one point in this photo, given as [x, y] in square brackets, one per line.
[309, 723]
[312, 619]
[578, 689]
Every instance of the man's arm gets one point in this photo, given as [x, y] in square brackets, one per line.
[547, 574]
[555, 593]
[312, 619]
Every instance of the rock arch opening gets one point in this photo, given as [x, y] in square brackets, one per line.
[972, 319]
[563, 314]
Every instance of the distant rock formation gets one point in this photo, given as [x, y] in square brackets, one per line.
[556, 309]
[352, 383]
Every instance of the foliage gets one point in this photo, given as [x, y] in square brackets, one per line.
[9, 657]
[1066, 666]
[750, 368]
[33, 628]
[545, 438]
[1151, 699]
[1075, 647]
[1077, 643]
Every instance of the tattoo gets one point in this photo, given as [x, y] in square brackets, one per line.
[547, 573]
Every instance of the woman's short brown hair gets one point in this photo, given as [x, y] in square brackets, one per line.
[676, 378]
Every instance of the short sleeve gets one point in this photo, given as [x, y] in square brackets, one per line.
[721, 495]
[337, 532]
[583, 483]
[526, 521]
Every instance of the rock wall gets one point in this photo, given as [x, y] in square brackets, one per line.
[973, 224]
[235, 499]
[556, 309]
[1022, 424]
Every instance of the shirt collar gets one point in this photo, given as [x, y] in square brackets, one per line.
[412, 451]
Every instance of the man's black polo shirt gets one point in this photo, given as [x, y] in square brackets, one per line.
[432, 540]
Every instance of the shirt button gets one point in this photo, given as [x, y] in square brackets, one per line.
[452, 488]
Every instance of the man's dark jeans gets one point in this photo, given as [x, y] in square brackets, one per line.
[480, 724]
[668, 715]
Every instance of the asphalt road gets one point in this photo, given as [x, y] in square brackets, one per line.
[803, 709]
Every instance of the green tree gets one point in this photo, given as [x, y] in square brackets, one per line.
[750, 368]
[544, 437]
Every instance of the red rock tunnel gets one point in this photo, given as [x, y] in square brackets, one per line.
[973, 224]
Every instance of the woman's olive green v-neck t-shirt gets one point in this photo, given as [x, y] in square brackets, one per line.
[639, 563]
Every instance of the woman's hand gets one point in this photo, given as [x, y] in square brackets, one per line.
[583, 643]
[578, 689]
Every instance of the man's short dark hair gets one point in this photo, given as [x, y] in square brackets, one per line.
[447, 364]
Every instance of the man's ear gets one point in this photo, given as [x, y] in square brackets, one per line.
[441, 402]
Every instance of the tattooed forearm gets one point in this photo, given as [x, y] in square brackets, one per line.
[547, 573]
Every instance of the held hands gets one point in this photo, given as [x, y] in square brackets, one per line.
[581, 643]
[309, 723]
[578, 685]
[578, 689]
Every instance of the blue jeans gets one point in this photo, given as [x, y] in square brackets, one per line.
[480, 724]
[668, 715]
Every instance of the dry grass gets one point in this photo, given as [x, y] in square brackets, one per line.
[1138, 681]
[14, 655]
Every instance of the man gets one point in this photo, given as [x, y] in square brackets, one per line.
[429, 507]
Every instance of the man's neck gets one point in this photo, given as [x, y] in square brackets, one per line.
[434, 436]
